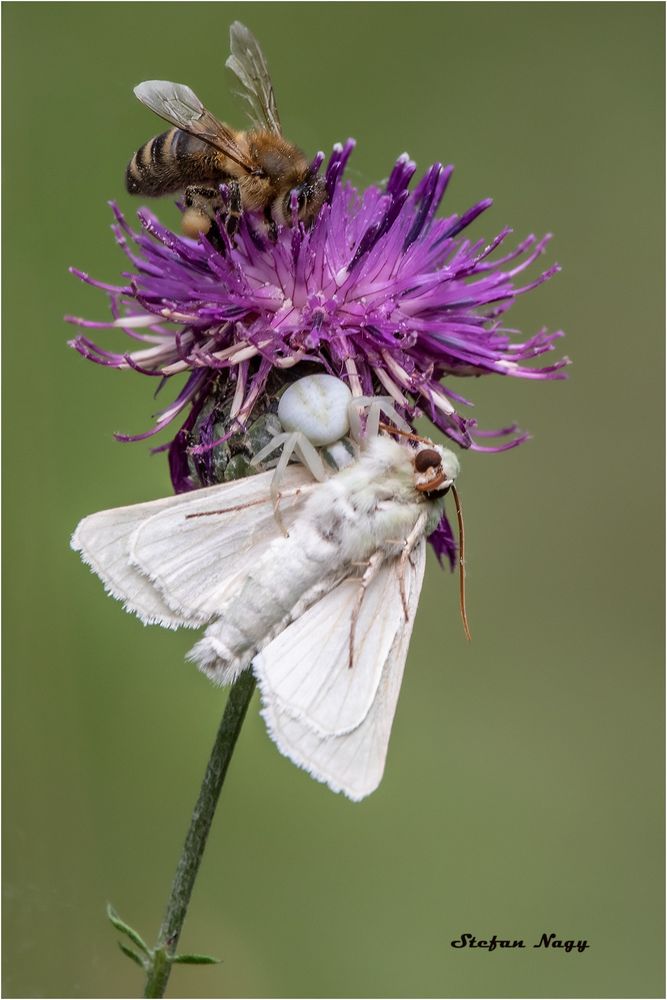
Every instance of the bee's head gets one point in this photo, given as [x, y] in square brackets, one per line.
[304, 199]
[436, 468]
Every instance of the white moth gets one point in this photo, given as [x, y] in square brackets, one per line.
[322, 614]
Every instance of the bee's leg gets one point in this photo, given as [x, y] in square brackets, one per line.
[235, 208]
[271, 227]
[370, 573]
[201, 206]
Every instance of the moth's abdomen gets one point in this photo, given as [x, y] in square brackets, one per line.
[292, 575]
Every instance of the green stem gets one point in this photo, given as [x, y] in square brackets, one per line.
[195, 842]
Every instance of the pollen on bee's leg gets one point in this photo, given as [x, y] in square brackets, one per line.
[193, 223]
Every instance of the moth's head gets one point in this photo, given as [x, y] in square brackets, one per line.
[436, 468]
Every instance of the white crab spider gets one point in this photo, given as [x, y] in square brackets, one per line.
[319, 411]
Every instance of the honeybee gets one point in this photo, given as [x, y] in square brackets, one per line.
[260, 167]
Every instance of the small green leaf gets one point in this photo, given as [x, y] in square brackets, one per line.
[131, 954]
[124, 928]
[196, 960]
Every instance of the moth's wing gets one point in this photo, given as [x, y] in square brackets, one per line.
[139, 550]
[351, 761]
[103, 542]
[194, 561]
[248, 64]
[306, 669]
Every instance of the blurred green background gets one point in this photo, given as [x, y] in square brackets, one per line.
[523, 791]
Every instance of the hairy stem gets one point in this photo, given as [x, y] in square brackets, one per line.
[195, 842]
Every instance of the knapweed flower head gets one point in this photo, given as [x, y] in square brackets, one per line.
[378, 292]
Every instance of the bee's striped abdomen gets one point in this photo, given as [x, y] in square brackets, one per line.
[153, 169]
[170, 162]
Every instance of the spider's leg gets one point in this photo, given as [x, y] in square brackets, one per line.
[288, 441]
[286, 454]
[290, 444]
[376, 405]
[294, 443]
[309, 456]
[385, 406]
[299, 445]
[373, 418]
[354, 419]
[273, 444]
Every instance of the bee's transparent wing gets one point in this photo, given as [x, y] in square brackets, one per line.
[247, 62]
[180, 106]
[175, 102]
[329, 719]
[171, 568]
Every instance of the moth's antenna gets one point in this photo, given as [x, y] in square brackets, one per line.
[462, 568]
[410, 437]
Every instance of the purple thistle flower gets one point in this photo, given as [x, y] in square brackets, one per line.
[377, 292]
[443, 542]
